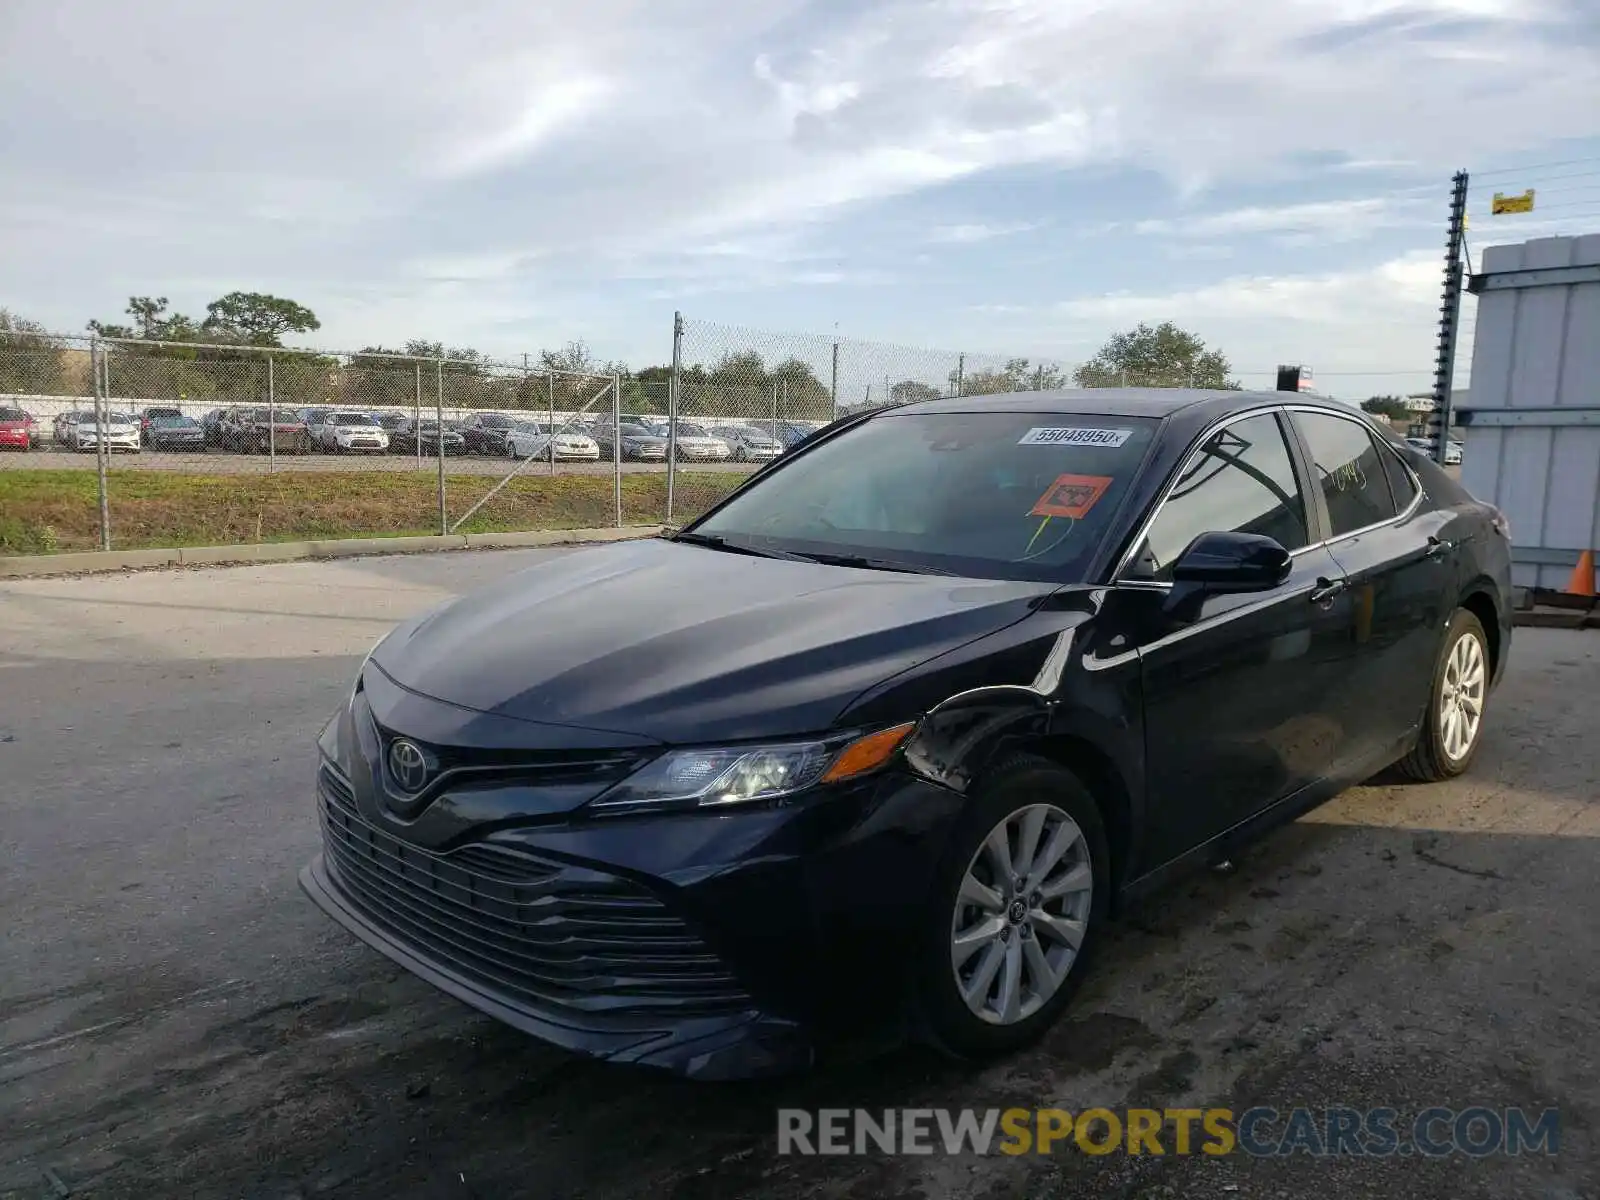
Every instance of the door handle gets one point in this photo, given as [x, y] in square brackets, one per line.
[1327, 589]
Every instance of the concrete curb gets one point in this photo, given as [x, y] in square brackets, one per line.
[21, 566]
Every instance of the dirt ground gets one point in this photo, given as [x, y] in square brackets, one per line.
[177, 1020]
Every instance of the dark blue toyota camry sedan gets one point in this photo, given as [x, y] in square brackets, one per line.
[882, 741]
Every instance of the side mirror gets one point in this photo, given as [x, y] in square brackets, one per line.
[1232, 562]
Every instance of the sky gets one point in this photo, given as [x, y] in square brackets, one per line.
[1020, 177]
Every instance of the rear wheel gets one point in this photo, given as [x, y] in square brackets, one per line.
[1453, 726]
[1015, 910]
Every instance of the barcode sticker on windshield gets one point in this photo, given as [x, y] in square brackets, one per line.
[1075, 437]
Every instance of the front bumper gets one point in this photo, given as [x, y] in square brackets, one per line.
[788, 927]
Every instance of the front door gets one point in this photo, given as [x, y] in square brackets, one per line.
[1241, 697]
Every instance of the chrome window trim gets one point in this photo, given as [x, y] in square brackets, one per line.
[1417, 492]
[1204, 436]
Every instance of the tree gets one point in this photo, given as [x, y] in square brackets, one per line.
[1155, 356]
[257, 319]
[909, 391]
[151, 323]
[31, 362]
[1387, 406]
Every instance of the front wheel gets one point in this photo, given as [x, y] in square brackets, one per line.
[1453, 726]
[1015, 910]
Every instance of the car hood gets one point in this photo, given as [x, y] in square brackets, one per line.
[685, 644]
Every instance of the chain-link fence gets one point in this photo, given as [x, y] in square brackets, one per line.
[129, 443]
[744, 396]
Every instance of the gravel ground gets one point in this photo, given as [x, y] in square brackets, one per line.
[234, 464]
[176, 1020]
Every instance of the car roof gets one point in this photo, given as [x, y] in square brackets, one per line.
[1200, 403]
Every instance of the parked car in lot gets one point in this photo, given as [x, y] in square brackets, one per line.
[792, 433]
[639, 444]
[531, 439]
[407, 433]
[172, 431]
[695, 444]
[149, 414]
[261, 429]
[1427, 445]
[315, 421]
[345, 431]
[82, 430]
[485, 433]
[884, 737]
[211, 427]
[747, 443]
[18, 429]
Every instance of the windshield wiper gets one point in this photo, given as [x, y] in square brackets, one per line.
[873, 564]
[715, 541]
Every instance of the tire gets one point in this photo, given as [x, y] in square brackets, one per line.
[1437, 755]
[943, 1016]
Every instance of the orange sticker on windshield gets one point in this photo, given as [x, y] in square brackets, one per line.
[1071, 496]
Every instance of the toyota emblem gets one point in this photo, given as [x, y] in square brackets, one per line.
[408, 765]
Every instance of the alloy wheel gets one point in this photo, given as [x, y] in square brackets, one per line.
[1461, 696]
[1021, 914]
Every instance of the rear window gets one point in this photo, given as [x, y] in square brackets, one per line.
[996, 495]
[12, 414]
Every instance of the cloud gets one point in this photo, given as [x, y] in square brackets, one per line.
[1364, 329]
[491, 157]
[979, 232]
[1327, 219]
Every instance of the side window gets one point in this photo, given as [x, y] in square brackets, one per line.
[1350, 471]
[1400, 482]
[1241, 480]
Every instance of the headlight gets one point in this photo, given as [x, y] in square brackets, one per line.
[716, 777]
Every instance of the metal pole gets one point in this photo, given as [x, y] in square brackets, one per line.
[775, 408]
[961, 375]
[833, 387]
[438, 430]
[672, 407]
[97, 364]
[417, 417]
[1449, 320]
[551, 448]
[272, 417]
[616, 441]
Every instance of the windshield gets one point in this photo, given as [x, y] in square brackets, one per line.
[493, 421]
[991, 495]
[351, 418]
[166, 422]
[12, 414]
[267, 414]
[685, 430]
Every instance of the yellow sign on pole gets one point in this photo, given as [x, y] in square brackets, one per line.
[1504, 204]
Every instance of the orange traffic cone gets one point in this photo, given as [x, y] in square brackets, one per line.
[1582, 583]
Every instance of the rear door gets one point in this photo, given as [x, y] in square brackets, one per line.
[1240, 705]
[1388, 542]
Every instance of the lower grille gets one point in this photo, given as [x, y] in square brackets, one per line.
[544, 933]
